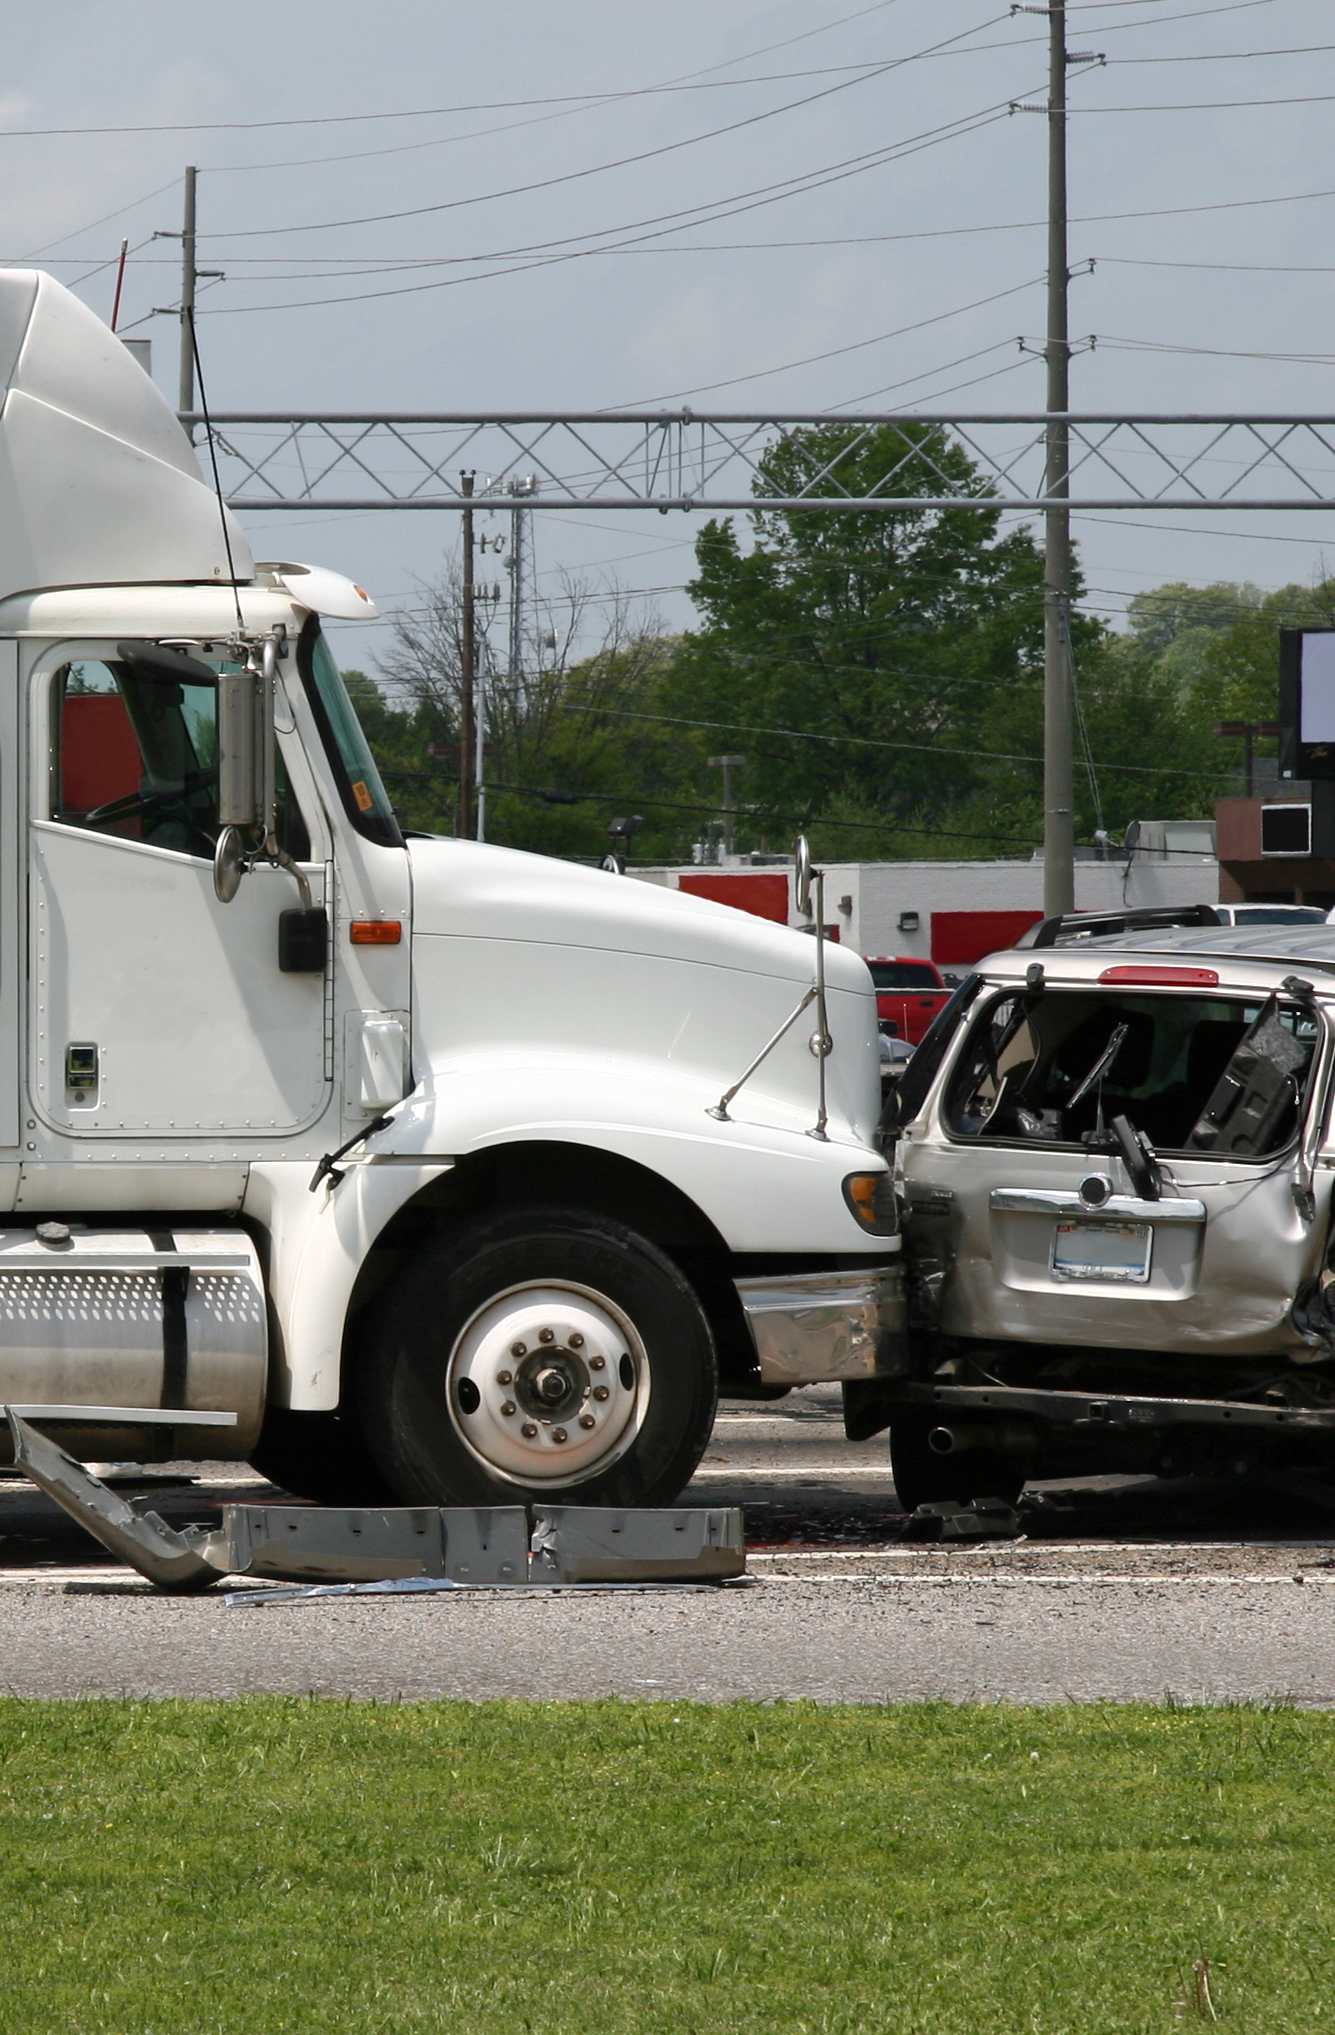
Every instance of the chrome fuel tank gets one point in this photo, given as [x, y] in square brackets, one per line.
[160, 1318]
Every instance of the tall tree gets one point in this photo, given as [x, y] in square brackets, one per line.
[572, 740]
[882, 640]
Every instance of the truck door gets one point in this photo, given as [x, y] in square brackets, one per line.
[155, 1010]
[1059, 1228]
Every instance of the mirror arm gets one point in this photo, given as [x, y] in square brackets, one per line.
[282, 860]
[822, 1042]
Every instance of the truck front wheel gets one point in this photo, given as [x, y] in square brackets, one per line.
[541, 1354]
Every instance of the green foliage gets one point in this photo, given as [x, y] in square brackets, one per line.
[571, 742]
[1219, 646]
[555, 780]
[278, 1867]
[882, 673]
[882, 643]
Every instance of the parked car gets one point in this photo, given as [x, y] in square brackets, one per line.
[1114, 1160]
[896, 1054]
[909, 993]
[1272, 914]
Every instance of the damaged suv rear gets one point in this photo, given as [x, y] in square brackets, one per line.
[1114, 1160]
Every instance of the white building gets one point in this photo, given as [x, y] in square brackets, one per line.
[955, 912]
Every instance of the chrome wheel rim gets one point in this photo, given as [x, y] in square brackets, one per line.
[548, 1383]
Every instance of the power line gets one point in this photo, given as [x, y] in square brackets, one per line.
[595, 169]
[831, 353]
[767, 195]
[394, 265]
[1209, 105]
[1229, 56]
[577, 100]
[133, 205]
[1126, 345]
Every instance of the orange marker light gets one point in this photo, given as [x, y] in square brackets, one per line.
[376, 932]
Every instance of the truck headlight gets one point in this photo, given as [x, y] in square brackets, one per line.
[871, 1198]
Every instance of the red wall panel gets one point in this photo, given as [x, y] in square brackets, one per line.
[964, 937]
[764, 894]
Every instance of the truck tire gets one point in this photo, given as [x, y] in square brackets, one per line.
[321, 1456]
[541, 1354]
[924, 1478]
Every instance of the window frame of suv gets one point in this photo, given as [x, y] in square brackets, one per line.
[1316, 1076]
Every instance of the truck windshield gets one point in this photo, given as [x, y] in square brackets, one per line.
[364, 796]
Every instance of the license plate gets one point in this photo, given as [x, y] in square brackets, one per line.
[1102, 1250]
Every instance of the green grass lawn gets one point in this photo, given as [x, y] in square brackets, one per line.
[567, 1869]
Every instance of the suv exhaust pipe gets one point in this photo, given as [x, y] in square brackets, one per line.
[1006, 1436]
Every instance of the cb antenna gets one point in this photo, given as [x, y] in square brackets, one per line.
[188, 313]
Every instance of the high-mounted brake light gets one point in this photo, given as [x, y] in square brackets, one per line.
[376, 932]
[1165, 978]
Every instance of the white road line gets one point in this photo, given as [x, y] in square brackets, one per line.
[789, 1470]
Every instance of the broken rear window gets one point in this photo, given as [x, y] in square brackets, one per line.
[1199, 1075]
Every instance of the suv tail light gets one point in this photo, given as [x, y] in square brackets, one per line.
[1165, 978]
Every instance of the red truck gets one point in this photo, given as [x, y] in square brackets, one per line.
[909, 993]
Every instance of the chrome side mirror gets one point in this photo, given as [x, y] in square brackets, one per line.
[802, 875]
[245, 764]
[229, 865]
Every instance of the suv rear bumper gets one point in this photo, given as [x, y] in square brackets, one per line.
[811, 1327]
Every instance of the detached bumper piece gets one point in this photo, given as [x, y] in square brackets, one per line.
[979, 1519]
[408, 1548]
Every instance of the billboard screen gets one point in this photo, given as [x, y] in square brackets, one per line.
[1307, 703]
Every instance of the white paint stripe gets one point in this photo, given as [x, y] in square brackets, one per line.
[718, 1471]
[1071, 1582]
[991, 1548]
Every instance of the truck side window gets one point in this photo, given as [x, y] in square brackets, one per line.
[138, 760]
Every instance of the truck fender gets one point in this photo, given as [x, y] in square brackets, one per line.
[319, 1243]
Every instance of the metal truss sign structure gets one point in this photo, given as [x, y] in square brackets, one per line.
[676, 459]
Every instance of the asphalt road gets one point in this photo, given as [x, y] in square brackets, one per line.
[1120, 1589]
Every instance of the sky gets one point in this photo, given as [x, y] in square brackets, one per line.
[427, 204]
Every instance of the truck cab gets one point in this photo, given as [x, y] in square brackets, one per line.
[407, 1168]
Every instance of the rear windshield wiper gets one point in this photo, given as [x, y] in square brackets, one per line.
[1102, 1066]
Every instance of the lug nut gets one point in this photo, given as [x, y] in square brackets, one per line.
[597, 1363]
[600, 1392]
[519, 1349]
[587, 1420]
[558, 1434]
[528, 1430]
[508, 1408]
[546, 1335]
[504, 1377]
[575, 1340]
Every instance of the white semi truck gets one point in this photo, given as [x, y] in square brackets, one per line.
[552, 1236]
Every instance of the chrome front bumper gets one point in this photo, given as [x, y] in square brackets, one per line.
[814, 1326]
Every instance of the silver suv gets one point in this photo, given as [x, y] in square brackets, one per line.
[1114, 1161]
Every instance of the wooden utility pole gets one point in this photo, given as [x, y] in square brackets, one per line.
[463, 816]
[1058, 775]
[186, 401]
[727, 764]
